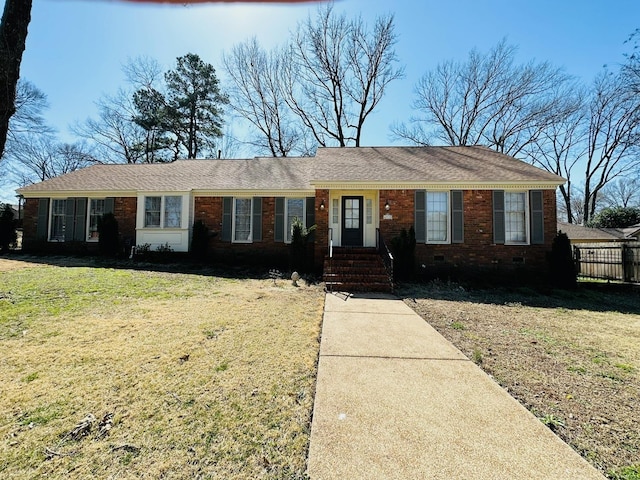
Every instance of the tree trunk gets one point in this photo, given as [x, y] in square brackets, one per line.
[13, 36]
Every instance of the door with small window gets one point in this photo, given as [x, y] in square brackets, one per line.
[352, 221]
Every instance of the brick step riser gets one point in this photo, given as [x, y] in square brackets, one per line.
[382, 276]
[357, 287]
[358, 268]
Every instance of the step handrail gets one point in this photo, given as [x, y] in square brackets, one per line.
[387, 256]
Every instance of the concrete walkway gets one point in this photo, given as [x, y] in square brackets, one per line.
[395, 400]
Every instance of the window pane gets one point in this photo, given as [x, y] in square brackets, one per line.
[58, 208]
[152, 211]
[172, 212]
[96, 210]
[437, 216]
[295, 209]
[242, 220]
[514, 217]
[369, 211]
[335, 208]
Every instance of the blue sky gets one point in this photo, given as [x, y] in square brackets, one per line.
[76, 48]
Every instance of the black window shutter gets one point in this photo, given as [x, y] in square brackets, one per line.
[43, 219]
[498, 216]
[457, 217]
[537, 217]
[81, 220]
[311, 216]
[420, 216]
[278, 234]
[257, 219]
[70, 209]
[109, 204]
[226, 219]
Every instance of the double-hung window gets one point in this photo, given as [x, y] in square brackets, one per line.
[242, 208]
[58, 212]
[163, 212]
[152, 209]
[172, 212]
[96, 210]
[439, 216]
[295, 212]
[515, 217]
[437, 211]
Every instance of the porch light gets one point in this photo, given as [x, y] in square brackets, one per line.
[322, 204]
[387, 206]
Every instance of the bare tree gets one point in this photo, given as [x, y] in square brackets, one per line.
[622, 192]
[489, 99]
[117, 138]
[257, 96]
[41, 157]
[612, 136]
[560, 146]
[13, 35]
[30, 105]
[337, 72]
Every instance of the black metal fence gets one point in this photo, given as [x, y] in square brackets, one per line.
[610, 262]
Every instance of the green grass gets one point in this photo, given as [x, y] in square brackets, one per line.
[207, 377]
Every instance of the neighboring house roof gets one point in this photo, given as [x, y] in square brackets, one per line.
[581, 234]
[627, 233]
[474, 167]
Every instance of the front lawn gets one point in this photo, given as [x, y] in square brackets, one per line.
[206, 377]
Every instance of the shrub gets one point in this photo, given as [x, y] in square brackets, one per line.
[299, 257]
[403, 248]
[8, 234]
[616, 217]
[199, 240]
[108, 242]
[561, 265]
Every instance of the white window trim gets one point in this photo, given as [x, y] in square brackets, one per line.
[97, 239]
[287, 232]
[162, 212]
[233, 220]
[64, 215]
[426, 218]
[527, 237]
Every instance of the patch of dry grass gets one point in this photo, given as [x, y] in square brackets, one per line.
[207, 377]
[572, 358]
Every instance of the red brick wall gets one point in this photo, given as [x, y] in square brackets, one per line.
[30, 215]
[478, 250]
[265, 251]
[125, 210]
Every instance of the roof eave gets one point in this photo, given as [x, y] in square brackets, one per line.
[447, 185]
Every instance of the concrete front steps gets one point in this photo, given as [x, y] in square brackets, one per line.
[356, 269]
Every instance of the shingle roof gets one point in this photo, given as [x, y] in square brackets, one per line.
[185, 175]
[580, 233]
[425, 164]
[364, 164]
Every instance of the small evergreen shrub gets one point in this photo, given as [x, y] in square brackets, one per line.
[8, 225]
[561, 265]
[299, 253]
[403, 248]
[199, 240]
[108, 236]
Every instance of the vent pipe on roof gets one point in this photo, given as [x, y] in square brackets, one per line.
[219, 154]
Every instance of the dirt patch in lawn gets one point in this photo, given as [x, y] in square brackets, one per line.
[203, 376]
[571, 358]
